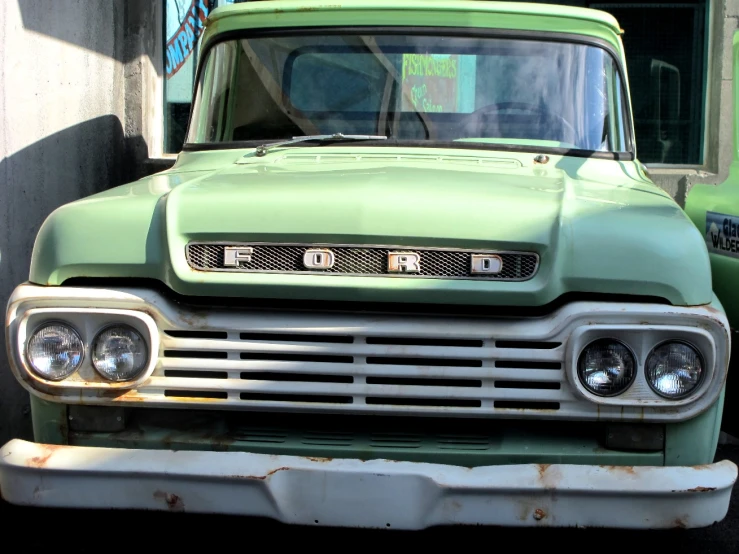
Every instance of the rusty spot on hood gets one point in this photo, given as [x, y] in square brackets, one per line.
[539, 514]
[41, 460]
[174, 502]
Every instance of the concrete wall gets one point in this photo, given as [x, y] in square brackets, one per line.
[66, 69]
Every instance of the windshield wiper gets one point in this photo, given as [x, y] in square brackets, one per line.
[336, 137]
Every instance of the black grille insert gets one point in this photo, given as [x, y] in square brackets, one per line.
[294, 337]
[403, 341]
[440, 362]
[295, 377]
[525, 405]
[197, 334]
[203, 354]
[310, 398]
[194, 374]
[529, 345]
[423, 382]
[433, 402]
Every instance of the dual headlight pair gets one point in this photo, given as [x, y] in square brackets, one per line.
[118, 352]
[673, 369]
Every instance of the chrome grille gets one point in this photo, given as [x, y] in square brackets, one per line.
[361, 260]
[274, 359]
[360, 364]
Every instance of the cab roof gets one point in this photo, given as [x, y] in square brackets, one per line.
[443, 13]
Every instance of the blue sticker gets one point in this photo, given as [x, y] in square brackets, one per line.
[722, 234]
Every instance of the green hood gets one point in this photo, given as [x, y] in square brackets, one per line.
[598, 225]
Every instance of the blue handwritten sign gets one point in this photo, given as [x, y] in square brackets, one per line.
[183, 41]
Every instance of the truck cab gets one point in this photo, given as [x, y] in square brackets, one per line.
[405, 272]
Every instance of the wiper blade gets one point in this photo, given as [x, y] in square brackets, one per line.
[262, 150]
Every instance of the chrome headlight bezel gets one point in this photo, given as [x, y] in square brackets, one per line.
[87, 323]
[641, 340]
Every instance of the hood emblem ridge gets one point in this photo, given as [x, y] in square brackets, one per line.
[362, 260]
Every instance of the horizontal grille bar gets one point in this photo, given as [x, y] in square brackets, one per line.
[359, 260]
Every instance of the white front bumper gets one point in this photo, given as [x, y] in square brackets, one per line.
[377, 493]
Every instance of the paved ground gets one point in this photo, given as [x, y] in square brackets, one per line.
[116, 531]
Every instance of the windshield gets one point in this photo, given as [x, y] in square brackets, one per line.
[421, 89]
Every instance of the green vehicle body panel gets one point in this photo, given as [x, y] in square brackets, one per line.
[694, 442]
[599, 225]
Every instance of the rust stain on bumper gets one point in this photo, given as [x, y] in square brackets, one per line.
[41, 460]
[174, 502]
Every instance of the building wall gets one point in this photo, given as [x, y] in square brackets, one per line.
[66, 70]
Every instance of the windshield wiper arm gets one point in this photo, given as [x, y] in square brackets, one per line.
[262, 150]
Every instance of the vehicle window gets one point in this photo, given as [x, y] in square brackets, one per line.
[411, 88]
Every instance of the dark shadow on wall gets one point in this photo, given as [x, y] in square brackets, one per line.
[97, 26]
[68, 165]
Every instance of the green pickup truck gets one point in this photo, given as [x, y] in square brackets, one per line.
[407, 271]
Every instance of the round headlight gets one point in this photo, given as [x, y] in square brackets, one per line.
[674, 369]
[119, 353]
[606, 367]
[55, 351]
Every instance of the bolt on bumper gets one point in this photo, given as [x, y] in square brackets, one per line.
[375, 493]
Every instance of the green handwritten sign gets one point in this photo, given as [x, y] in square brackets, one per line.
[430, 82]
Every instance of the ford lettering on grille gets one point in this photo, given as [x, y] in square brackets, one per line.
[363, 260]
